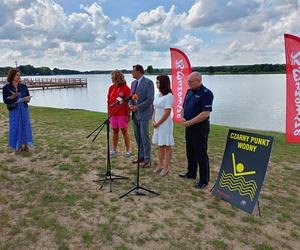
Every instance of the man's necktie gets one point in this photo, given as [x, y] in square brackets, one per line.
[135, 87]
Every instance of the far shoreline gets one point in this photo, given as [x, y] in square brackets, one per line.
[266, 68]
[205, 74]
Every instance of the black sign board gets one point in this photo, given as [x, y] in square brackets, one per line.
[243, 169]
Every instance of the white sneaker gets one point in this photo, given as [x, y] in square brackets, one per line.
[113, 153]
[127, 154]
[157, 170]
[164, 172]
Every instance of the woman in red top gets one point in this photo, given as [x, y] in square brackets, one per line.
[120, 114]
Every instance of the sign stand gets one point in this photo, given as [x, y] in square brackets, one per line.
[258, 208]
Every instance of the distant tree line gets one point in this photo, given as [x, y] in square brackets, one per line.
[243, 69]
[234, 69]
[29, 70]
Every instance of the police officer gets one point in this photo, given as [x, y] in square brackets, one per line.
[195, 115]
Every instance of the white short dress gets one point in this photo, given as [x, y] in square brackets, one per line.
[163, 135]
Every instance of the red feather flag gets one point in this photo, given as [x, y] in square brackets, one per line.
[292, 54]
[181, 68]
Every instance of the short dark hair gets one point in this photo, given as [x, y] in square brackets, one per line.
[164, 84]
[11, 75]
[139, 68]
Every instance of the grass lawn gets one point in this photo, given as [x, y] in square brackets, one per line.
[48, 199]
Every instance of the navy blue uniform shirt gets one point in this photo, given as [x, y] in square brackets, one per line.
[7, 91]
[197, 101]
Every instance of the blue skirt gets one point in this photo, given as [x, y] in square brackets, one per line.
[19, 127]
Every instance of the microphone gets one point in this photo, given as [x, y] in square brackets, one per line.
[119, 100]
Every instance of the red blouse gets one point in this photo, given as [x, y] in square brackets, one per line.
[113, 93]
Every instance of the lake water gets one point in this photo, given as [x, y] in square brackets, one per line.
[245, 101]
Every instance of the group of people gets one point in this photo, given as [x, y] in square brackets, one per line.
[141, 110]
[122, 108]
[195, 118]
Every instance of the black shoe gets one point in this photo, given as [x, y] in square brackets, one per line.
[147, 164]
[138, 161]
[201, 185]
[187, 176]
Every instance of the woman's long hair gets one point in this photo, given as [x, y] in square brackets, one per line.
[118, 78]
[11, 75]
[164, 84]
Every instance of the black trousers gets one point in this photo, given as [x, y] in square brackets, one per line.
[196, 151]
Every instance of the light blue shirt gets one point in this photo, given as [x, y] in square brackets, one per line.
[139, 81]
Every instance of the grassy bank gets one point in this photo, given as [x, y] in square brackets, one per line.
[48, 199]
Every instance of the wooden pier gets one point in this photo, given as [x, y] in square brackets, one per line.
[47, 83]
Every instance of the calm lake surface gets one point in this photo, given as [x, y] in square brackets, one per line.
[245, 101]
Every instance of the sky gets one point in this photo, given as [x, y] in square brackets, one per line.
[116, 34]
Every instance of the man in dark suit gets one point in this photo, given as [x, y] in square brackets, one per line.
[142, 110]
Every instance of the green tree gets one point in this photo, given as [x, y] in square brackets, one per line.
[150, 69]
[27, 70]
[43, 71]
[211, 70]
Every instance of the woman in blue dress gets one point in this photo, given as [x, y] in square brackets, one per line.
[16, 97]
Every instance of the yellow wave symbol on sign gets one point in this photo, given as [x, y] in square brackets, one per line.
[234, 183]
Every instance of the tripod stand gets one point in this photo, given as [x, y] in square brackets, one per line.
[137, 188]
[107, 176]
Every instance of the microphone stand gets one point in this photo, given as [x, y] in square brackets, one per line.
[137, 188]
[108, 175]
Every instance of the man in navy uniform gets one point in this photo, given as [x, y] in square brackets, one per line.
[195, 115]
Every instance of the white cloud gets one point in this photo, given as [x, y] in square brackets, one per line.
[239, 16]
[41, 16]
[70, 49]
[155, 16]
[42, 28]
[11, 54]
[47, 18]
[154, 37]
[80, 28]
[189, 43]
[210, 12]
[157, 29]
[245, 31]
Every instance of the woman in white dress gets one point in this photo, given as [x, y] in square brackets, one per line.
[163, 124]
